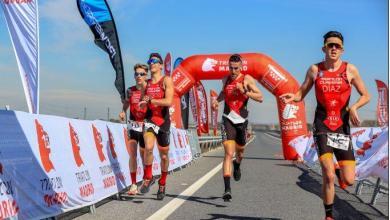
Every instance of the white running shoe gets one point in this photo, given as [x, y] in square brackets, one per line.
[133, 190]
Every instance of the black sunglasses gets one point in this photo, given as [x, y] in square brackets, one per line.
[139, 74]
[331, 45]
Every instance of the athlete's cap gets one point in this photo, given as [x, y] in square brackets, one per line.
[156, 55]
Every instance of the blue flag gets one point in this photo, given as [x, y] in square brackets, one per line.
[97, 14]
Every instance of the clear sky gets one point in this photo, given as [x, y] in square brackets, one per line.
[77, 74]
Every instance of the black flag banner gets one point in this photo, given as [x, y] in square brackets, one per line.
[97, 14]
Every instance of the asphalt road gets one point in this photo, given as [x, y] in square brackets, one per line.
[270, 188]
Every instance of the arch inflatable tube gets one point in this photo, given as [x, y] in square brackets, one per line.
[267, 72]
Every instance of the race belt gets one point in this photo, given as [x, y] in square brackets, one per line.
[234, 117]
[135, 125]
[338, 141]
[152, 126]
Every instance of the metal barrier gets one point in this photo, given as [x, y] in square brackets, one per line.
[379, 188]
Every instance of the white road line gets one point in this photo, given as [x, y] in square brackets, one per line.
[277, 138]
[169, 208]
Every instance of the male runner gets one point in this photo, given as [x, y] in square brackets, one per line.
[237, 89]
[158, 97]
[333, 80]
[135, 124]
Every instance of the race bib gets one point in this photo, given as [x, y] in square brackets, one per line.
[234, 117]
[135, 126]
[153, 126]
[338, 141]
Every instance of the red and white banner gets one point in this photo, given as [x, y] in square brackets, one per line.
[374, 161]
[168, 64]
[194, 108]
[382, 109]
[368, 145]
[203, 117]
[60, 164]
[23, 26]
[214, 112]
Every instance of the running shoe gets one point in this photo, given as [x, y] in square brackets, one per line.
[237, 171]
[227, 195]
[133, 190]
[329, 218]
[161, 192]
[145, 187]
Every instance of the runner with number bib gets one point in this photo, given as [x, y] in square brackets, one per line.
[158, 97]
[333, 80]
[135, 123]
[236, 91]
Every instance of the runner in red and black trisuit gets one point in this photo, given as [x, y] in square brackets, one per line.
[332, 80]
[135, 123]
[158, 97]
[237, 89]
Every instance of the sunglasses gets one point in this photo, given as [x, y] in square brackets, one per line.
[153, 61]
[233, 68]
[333, 45]
[139, 74]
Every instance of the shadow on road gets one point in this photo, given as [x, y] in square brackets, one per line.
[312, 183]
[249, 158]
[199, 199]
[222, 216]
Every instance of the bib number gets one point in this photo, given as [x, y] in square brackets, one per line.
[153, 126]
[235, 118]
[338, 141]
[135, 126]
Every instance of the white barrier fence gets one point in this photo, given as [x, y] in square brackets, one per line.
[50, 165]
[370, 146]
[371, 149]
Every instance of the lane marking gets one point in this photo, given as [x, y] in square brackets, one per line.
[277, 138]
[175, 203]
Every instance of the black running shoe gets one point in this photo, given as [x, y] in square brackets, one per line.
[161, 192]
[145, 187]
[227, 195]
[237, 171]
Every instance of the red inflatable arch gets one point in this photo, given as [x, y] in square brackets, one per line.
[272, 76]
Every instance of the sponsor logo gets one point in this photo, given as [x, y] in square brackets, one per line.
[273, 78]
[333, 103]
[98, 143]
[358, 133]
[17, 1]
[74, 139]
[98, 28]
[127, 141]
[209, 64]
[111, 143]
[44, 147]
[290, 111]
[8, 208]
[176, 76]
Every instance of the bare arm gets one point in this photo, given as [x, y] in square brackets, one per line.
[253, 91]
[169, 90]
[221, 95]
[364, 98]
[125, 106]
